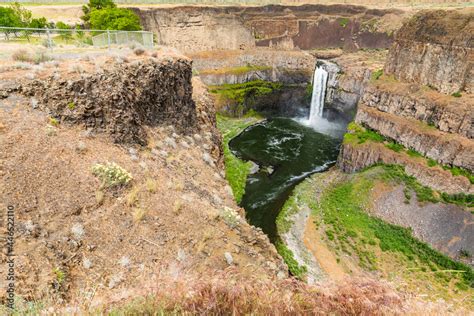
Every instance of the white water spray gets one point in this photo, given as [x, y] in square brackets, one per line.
[322, 78]
[319, 92]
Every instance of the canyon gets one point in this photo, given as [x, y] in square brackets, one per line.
[351, 125]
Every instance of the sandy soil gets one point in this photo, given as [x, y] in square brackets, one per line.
[326, 258]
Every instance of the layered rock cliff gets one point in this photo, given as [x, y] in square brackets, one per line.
[410, 103]
[197, 28]
[435, 48]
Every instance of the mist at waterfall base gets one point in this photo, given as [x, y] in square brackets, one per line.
[316, 119]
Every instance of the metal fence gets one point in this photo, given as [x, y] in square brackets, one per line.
[51, 38]
[123, 38]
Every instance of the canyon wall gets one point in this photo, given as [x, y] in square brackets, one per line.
[435, 49]
[230, 67]
[411, 102]
[192, 29]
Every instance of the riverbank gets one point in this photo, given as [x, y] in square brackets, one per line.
[343, 212]
[236, 170]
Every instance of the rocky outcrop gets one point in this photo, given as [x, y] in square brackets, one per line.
[229, 67]
[446, 113]
[435, 48]
[199, 28]
[123, 99]
[344, 93]
[451, 149]
[355, 157]
[407, 103]
[206, 119]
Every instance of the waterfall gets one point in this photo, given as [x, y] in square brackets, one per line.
[319, 92]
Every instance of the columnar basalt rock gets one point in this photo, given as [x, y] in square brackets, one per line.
[448, 114]
[451, 149]
[411, 104]
[356, 157]
[436, 49]
[123, 99]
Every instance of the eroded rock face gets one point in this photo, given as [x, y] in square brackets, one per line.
[448, 114]
[196, 28]
[355, 157]
[206, 118]
[123, 99]
[344, 94]
[451, 149]
[435, 48]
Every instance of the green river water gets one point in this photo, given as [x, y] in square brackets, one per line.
[287, 152]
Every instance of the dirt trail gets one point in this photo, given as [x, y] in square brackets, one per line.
[326, 259]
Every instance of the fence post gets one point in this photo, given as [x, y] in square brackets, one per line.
[108, 39]
[50, 44]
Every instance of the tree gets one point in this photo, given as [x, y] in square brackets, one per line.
[115, 19]
[40, 23]
[95, 5]
[64, 34]
[9, 18]
[22, 13]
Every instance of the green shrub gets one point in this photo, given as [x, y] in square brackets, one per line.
[230, 217]
[9, 18]
[236, 170]
[457, 94]
[458, 171]
[111, 174]
[431, 162]
[53, 121]
[397, 174]
[287, 255]
[360, 134]
[376, 74]
[71, 106]
[395, 147]
[95, 5]
[343, 22]
[114, 19]
[413, 153]
[459, 199]
[240, 93]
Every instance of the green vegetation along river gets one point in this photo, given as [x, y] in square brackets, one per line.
[286, 153]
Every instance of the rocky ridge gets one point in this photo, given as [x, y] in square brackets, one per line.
[121, 99]
[435, 48]
[408, 102]
[202, 28]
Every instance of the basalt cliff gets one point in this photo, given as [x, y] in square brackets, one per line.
[423, 99]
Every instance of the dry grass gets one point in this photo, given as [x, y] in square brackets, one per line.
[228, 293]
[23, 55]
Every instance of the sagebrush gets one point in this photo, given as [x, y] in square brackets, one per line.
[111, 174]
